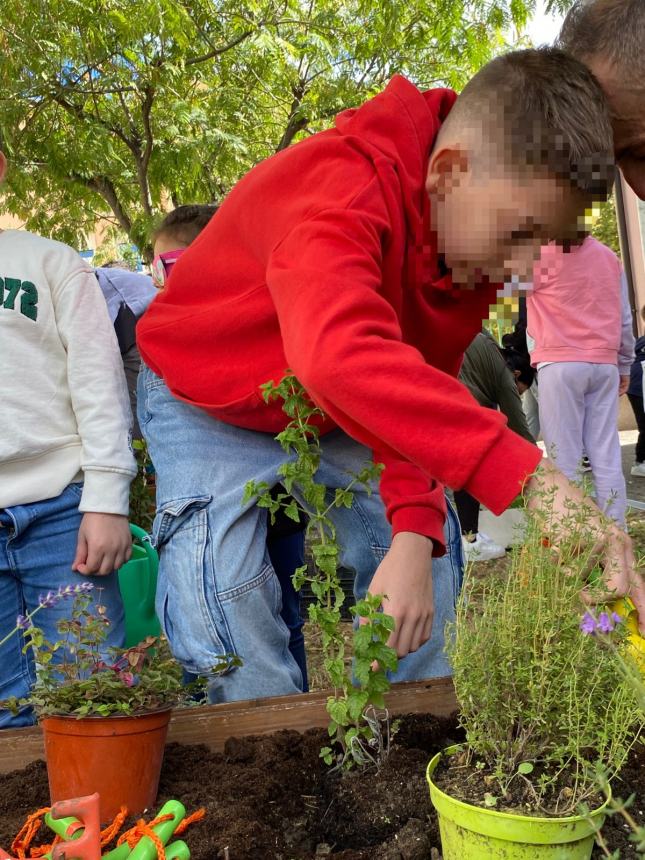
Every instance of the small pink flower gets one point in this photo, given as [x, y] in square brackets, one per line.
[127, 678]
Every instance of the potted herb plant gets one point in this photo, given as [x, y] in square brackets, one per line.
[104, 720]
[544, 706]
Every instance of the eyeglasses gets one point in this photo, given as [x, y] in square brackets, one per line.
[162, 266]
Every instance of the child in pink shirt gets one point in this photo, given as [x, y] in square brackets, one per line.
[581, 341]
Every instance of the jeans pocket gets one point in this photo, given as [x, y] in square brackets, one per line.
[187, 603]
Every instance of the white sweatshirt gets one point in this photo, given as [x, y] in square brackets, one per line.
[64, 407]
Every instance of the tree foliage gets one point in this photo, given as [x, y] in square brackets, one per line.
[605, 227]
[121, 108]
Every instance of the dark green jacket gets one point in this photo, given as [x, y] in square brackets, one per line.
[490, 381]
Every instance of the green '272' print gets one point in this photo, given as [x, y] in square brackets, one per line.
[19, 295]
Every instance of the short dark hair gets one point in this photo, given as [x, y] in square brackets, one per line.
[519, 361]
[551, 112]
[612, 30]
[185, 223]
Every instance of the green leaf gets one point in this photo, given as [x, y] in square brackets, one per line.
[525, 768]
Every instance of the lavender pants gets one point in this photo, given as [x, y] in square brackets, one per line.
[579, 415]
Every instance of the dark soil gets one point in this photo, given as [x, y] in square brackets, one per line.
[462, 780]
[271, 798]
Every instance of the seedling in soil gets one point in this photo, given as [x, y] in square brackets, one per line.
[358, 728]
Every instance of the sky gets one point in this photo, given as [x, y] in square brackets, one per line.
[544, 28]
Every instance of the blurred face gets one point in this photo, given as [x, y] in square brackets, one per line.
[493, 223]
[166, 253]
[627, 107]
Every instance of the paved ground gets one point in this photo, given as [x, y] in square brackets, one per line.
[506, 529]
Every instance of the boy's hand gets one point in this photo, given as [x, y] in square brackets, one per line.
[104, 544]
[612, 545]
[623, 385]
[405, 578]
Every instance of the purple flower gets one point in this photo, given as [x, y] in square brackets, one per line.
[605, 623]
[588, 624]
[46, 601]
[618, 619]
[22, 622]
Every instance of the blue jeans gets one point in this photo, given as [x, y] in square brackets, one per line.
[37, 547]
[217, 591]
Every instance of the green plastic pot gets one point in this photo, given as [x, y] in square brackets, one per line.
[472, 833]
[138, 584]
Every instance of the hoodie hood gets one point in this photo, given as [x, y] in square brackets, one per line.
[402, 147]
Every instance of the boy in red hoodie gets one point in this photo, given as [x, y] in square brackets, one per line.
[364, 259]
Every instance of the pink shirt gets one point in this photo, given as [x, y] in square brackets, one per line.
[574, 311]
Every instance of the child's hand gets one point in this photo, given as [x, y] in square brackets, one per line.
[104, 544]
[623, 385]
[613, 546]
[405, 578]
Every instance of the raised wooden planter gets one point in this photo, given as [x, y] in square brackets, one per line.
[214, 724]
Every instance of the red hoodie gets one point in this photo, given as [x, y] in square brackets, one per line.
[321, 260]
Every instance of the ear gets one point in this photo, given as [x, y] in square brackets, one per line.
[3, 166]
[517, 374]
[445, 165]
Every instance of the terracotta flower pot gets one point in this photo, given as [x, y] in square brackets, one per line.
[119, 757]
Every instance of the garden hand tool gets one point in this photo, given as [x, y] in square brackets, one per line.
[87, 844]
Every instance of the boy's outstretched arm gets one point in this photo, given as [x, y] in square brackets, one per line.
[343, 340]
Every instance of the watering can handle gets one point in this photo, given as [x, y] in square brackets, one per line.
[143, 539]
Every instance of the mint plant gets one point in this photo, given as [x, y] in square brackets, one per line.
[358, 727]
[543, 694]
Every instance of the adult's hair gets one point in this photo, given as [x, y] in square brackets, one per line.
[611, 30]
[185, 223]
[544, 109]
[519, 361]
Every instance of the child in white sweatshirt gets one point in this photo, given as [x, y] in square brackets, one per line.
[65, 458]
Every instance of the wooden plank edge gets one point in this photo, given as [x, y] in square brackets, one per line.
[212, 725]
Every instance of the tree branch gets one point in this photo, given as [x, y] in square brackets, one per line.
[105, 187]
[144, 159]
[215, 52]
[295, 123]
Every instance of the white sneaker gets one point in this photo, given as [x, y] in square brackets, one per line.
[482, 549]
[638, 471]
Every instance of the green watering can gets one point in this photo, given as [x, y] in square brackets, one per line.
[138, 583]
